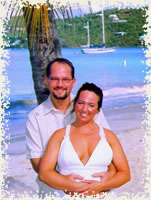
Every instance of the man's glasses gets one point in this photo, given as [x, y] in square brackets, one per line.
[56, 80]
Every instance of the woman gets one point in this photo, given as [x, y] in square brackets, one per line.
[82, 149]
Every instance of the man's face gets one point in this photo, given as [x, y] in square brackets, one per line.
[60, 82]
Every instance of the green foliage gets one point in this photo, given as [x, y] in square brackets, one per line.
[16, 34]
[73, 33]
[76, 35]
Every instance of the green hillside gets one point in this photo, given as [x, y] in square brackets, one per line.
[122, 28]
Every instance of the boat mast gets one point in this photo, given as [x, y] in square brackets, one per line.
[88, 33]
[103, 32]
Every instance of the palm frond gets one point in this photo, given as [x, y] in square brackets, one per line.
[42, 26]
[16, 20]
[9, 8]
[33, 25]
[13, 9]
[52, 17]
[56, 14]
[38, 27]
[22, 24]
[68, 15]
[34, 19]
[26, 14]
[90, 7]
[46, 22]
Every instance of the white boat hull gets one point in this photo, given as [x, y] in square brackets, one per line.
[97, 50]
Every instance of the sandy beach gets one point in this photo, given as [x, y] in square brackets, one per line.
[126, 122]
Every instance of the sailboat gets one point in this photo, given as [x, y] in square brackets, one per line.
[97, 48]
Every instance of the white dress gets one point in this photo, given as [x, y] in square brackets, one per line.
[69, 162]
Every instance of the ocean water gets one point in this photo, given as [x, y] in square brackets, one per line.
[120, 74]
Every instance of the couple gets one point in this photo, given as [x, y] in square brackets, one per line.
[75, 158]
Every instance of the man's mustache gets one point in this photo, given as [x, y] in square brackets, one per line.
[60, 88]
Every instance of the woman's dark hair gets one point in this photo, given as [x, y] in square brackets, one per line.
[59, 60]
[90, 87]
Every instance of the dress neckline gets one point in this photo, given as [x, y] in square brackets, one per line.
[74, 151]
[91, 156]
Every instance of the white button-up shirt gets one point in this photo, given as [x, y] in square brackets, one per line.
[43, 121]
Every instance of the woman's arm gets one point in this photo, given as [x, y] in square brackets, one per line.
[120, 162]
[47, 172]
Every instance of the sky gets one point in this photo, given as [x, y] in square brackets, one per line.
[96, 5]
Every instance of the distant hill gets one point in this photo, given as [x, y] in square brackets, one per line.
[123, 27]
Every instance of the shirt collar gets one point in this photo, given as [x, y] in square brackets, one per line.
[49, 107]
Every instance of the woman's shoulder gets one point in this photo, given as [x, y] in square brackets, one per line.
[58, 134]
[110, 135]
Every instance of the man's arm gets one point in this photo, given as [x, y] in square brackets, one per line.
[112, 170]
[35, 164]
[34, 148]
[106, 175]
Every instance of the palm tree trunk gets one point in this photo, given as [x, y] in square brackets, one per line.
[41, 53]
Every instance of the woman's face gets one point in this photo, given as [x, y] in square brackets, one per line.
[86, 106]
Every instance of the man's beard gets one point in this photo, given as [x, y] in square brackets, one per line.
[62, 97]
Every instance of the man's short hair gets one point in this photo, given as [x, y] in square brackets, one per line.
[60, 60]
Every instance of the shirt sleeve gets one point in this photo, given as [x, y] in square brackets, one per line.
[34, 147]
[101, 120]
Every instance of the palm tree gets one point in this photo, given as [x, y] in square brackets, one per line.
[43, 45]
[43, 42]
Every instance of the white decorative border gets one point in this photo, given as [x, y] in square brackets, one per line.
[4, 89]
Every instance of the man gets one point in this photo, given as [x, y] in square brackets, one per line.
[52, 114]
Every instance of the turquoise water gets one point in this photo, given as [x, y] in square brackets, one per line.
[120, 74]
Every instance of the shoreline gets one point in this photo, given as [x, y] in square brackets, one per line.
[126, 122]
